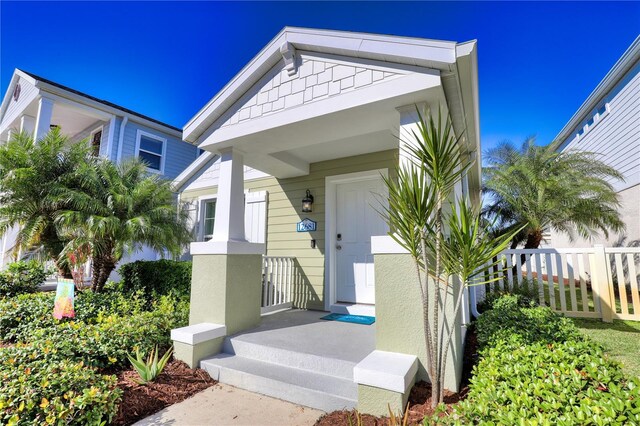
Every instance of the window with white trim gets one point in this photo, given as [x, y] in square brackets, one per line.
[151, 150]
[208, 218]
[593, 120]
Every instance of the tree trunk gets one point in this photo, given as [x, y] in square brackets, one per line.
[534, 238]
[95, 273]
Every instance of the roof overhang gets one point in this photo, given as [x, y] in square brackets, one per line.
[446, 70]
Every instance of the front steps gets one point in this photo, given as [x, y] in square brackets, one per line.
[297, 358]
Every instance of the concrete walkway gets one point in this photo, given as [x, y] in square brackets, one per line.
[227, 405]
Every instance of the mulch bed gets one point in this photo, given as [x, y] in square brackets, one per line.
[176, 383]
[419, 399]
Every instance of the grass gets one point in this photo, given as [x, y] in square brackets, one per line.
[620, 339]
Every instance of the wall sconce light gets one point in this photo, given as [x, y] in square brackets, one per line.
[307, 203]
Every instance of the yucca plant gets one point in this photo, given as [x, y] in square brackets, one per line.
[398, 419]
[151, 368]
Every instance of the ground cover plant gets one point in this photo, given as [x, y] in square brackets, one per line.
[63, 371]
[537, 368]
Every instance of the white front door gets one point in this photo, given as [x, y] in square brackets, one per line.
[356, 222]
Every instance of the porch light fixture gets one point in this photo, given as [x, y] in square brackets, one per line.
[307, 203]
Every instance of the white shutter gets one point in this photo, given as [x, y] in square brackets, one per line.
[255, 216]
[193, 222]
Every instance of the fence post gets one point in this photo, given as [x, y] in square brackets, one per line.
[600, 284]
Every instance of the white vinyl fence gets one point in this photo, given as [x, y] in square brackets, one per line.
[594, 282]
[277, 283]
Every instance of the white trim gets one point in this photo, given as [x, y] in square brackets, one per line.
[198, 333]
[123, 125]
[193, 168]
[227, 247]
[385, 244]
[387, 370]
[331, 211]
[163, 156]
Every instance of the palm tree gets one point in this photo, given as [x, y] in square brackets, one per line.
[31, 175]
[539, 188]
[118, 208]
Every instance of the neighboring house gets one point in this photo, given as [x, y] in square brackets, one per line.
[316, 113]
[35, 104]
[608, 124]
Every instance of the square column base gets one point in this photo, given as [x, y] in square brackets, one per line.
[193, 354]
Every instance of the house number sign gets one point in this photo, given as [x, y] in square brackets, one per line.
[306, 225]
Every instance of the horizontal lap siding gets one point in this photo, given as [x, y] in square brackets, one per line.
[284, 205]
[179, 154]
[616, 138]
[27, 93]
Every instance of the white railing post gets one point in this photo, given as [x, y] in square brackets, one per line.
[601, 287]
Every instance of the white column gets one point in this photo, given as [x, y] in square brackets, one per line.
[228, 230]
[43, 120]
[408, 126]
[9, 134]
[27, 124]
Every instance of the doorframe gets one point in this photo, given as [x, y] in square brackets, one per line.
[331, 212]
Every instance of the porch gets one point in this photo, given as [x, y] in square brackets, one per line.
[296, 356]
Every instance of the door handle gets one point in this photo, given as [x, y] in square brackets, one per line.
[338, 247]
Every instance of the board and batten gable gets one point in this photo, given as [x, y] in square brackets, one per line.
[284, 212]
[178, 154]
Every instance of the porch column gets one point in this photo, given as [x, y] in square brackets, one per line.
[226, 283]
[27, 124]
[43, 119]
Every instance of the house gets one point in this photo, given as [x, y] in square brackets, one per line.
[608, 124]
[284, 203]
[35, 104]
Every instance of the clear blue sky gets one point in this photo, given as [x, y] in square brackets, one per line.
[537, 61]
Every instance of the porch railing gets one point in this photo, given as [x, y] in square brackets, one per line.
[595, 282]
[277, 283]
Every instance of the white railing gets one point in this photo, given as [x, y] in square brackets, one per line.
[277, 283]
[594, 282]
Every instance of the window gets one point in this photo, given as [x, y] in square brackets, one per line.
[602, 110]
[151, 149]
[96, 138]
[208, 218]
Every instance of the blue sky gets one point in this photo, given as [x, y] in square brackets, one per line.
[537, 61]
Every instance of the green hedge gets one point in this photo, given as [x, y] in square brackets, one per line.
[156, 278]
[22, 277]
[537, 368]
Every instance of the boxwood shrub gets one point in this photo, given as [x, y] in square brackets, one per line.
[153, 279]
[22, 277]
[536, 368]
[37, 389]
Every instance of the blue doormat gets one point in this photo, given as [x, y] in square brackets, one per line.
[356, 319]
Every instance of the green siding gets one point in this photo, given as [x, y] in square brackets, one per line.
[284, 205]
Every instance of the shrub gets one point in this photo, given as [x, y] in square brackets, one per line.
[106, 343]
[21, 316]
[38, 390]
[22, 277]
[536, 368]
[156, 278]
[510, 320]
[526, 293]
[562, 383]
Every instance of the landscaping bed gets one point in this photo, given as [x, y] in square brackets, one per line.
[76, 371]
[176, 383]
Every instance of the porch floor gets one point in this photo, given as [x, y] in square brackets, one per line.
[303, 331]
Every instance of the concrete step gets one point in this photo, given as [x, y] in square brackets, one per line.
[271, 353]
[304, 387]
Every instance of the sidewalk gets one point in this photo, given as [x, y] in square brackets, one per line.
[226, 405]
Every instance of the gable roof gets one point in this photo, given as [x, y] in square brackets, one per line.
[434, 54]
[35, 80]
[626, 62]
